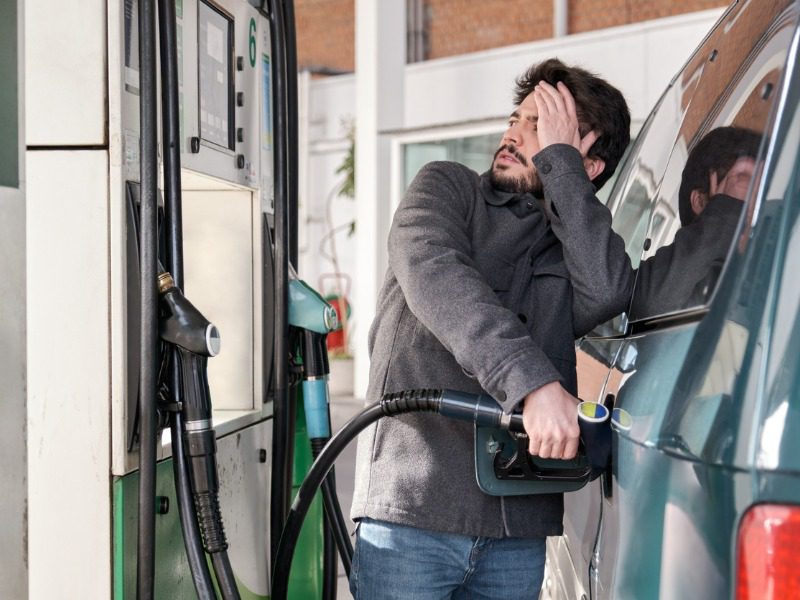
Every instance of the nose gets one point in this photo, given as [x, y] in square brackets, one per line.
[512, 135]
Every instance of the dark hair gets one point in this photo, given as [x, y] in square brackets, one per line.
[718, 151]
[600, 107]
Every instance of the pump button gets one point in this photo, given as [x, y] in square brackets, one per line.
[240, 161]
[239, 98]
[240, 63]
[239, 134]
[162, 505]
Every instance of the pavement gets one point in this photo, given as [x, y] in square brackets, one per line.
[343, 408]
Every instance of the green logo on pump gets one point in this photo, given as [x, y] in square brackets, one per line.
[252, 42]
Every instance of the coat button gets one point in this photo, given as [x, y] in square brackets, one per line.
[546, 168]
[529, 205]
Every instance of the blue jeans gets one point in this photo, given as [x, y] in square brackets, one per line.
[405, 563]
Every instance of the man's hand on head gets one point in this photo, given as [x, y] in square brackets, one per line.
[736, 181]
[550, 418]
[558, 118]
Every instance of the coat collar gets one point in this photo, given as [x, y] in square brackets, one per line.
[497, 197]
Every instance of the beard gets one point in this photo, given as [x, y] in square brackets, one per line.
[515, 184]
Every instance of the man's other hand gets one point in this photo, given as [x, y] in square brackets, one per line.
[550, 418]
[736, 180]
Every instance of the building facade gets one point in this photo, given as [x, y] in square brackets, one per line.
[443, 28]
[454, 107]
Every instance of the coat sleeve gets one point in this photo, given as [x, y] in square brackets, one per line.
[430, 254]
[675, 276]
[600, 270]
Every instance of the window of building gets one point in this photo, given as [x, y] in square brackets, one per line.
[474, 151]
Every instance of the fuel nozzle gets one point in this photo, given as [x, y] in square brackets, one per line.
[196, 339]
[184, 325]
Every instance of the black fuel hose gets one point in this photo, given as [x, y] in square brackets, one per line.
[173, 231]
[334, 519]
[225, 577]
[283, 408]
[191, 533]
[314, 478]
[148, 176]
[481, 410]
[292, 126]
[200, 442]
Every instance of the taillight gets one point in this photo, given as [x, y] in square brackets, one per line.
[768, 553]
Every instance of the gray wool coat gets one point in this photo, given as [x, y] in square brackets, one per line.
[486, 291]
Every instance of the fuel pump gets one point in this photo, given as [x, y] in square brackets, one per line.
[311, 318]
[189, 338]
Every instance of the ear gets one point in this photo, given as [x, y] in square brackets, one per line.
[698, 200]
[594, 166]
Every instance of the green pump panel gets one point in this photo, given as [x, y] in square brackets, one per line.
[9, 109]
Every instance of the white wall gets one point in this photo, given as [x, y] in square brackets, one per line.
[465, 91]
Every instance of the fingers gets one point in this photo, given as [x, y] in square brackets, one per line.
[587, 142]
[558, 120]
[559, 448]
[571, 448]
[712, 183]
[544, 103]
[551, 422]
[555, 96]
[542, 106]
[737, 180]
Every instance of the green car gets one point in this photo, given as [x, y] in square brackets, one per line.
[701, 499]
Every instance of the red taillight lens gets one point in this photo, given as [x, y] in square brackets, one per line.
[768, 553]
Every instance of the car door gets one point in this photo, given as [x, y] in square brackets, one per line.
[571, 558]
[571, 555]
[675, 368]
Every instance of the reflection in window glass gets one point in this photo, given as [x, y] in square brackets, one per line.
[697, 195]
[641, 179]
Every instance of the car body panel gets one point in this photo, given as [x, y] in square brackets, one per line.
[712, 389]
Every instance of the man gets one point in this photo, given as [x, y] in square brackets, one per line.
[491, 278]
[714, 183]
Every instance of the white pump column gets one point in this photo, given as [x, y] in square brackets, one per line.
[380, 67]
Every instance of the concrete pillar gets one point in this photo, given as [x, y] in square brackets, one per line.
[560, 18]
[380, 68]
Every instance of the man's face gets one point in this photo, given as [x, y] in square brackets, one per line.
[512, 167]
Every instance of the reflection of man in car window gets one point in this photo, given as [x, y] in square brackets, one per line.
[713, 185]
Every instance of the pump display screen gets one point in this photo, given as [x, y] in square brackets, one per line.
[215, 57]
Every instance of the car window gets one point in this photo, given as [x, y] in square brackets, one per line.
[682, 206]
